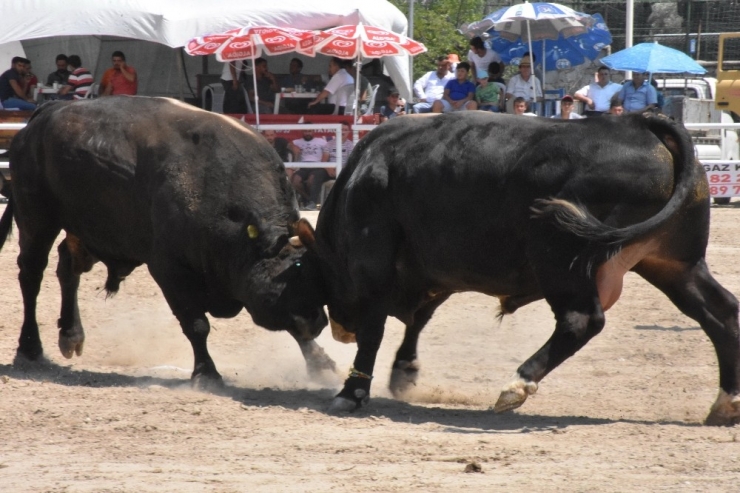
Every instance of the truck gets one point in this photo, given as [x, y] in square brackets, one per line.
[693, 100]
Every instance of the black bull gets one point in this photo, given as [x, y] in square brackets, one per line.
[198, 197]
[523, 209]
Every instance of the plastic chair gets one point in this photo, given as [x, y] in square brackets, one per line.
[92, 92]
[371, 102]
[215, 94]
[346, 91]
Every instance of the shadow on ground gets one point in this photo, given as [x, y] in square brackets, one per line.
[454, 420]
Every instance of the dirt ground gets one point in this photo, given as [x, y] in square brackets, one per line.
[622, 415]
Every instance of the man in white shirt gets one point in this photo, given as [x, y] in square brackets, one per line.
[480, 57]
[598, 95]
[431, 86]
[307, 181]
[339, 78]
[520, 85]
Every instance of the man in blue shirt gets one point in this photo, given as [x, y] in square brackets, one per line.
[459, 93]
[638, 96]
[13, 86]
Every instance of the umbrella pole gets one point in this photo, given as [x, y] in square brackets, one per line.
[256, 95]
[357, 89]
[531, 55]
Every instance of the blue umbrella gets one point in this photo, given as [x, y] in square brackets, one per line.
[653, 58]
[564, 37]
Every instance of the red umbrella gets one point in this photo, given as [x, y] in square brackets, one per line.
[359, 41]
[249, 42]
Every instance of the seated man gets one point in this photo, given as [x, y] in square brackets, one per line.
[119, 79]
[13, 85]
[79, 81]
[61, 74]
[431, 86]
[267, 86]
[459, 93]
[339, 78]
[307, 181]
[393, 107]
[294, 78]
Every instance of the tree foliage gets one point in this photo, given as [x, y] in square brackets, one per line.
[436, 23]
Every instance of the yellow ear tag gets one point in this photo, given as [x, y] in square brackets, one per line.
[252, 231]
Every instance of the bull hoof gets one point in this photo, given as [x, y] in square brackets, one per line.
[514, 395]
[318, 364]
[342, 405]
[207, 382]
[403, 377]
[71, 345]
[725, 410]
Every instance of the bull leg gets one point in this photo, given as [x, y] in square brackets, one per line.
[356, 390]
[405, 369]
[73, 261]
[579, 317]
[317, 361]
[35, 245]
[185, 296]
[699, 296]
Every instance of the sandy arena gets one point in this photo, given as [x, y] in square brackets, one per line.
[624, 414]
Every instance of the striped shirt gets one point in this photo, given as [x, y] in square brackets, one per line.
[80, 80]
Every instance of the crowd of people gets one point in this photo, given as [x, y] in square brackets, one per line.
[70, 81]
[477, 84]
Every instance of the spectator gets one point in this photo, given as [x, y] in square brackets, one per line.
[566, 109]
[290, 81]
[597, 96]
[374, 73]
[393, 107]
[496, 73]
[339, 78]
[13, 85]
[616, 108]
[281, 145]
[307, 181]
[79, 81]
[638, 96]
[31, 82]
[520, 107]
[459, 93]
[119, 79]
[488, 94]
[453, 60]
[520, 85]
[660, 101]
[234, 101]
[480, 57]
[61, 74]
[330, 151]
[267, 86]
[431, 86]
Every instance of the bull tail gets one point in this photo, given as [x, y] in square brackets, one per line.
[604, 240]
[6, 222]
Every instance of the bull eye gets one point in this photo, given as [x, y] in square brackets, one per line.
[252, 231]
[297, 264]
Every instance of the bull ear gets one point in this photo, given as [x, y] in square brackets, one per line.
[305, 232]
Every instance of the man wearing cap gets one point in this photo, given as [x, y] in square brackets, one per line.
[566, 109]
[638, 96]
[393, 107]
[480, 57]
[520, 85]
[431, 86]
[597, 95]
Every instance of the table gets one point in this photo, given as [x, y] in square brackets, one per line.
[42, 90]
[280, 95]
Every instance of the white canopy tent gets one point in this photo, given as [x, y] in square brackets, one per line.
[85, 26]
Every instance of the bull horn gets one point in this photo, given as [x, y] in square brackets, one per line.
[295, 241]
